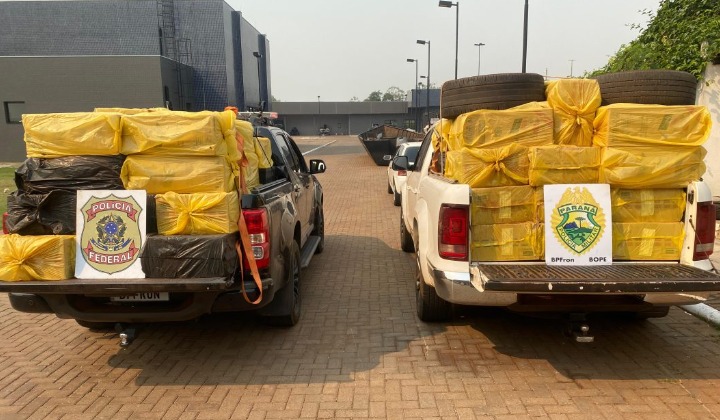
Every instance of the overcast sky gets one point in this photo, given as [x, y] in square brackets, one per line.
[338, 49]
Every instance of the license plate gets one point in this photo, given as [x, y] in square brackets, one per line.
[143, 297]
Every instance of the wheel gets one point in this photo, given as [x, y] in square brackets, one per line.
[289, 295]
[319, 229]
[660, 87]
[406, 241]
[91, 325]
[430, 307]
[396, 199]
[492, 91]
[390, 190]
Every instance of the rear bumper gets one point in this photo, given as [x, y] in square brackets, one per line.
[503, 284]
[89, 300]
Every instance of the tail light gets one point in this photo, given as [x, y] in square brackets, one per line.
[704, 231]
[402, 172]
[4, 224]
[257, 224]
[453, 233]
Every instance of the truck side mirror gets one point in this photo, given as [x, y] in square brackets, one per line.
[317, 166]
[400, 163]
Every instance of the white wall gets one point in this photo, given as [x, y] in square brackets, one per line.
[709, 95]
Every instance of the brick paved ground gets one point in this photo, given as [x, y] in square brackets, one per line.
[359, 351]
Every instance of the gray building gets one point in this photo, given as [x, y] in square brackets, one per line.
[67, 56]
[307, 118]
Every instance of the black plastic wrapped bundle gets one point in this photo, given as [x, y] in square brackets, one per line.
[42, 214]
[186, 256]
[70, 173]
[151, 215]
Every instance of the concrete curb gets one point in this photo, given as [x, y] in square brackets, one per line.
[704, 312]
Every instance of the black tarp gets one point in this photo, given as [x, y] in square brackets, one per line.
[42, 214]
[70, 173]
[186, 256]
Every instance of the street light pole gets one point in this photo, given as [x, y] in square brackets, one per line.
[318, 121]
[571, 67]
[415, 100]
[525, 33]
[427, 90]
[479, 45]
[450, 4]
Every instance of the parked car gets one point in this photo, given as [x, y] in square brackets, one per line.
[396, 175]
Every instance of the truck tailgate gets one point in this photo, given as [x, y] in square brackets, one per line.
[618, 278]
[117, 286]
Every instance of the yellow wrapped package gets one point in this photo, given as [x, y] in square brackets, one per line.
[564, 165]
[529, 126]
[180, 174]
[651, 167]
[441, 135]
[46, 257]
[197, 214]
[647, 241]
[499, 167]
[178, 133]
[251, 171]
[70, 134]
[509, 242]
[263, 150]
[574, 103]
[624, 125]
[130, 111]
[539, 204]
[502, 205]
[658, 205]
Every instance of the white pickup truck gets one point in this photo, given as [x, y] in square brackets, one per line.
[435, 222]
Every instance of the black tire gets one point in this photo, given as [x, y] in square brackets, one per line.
[390, 190]
[406, 241]
[397, 198]
[290, 294]
[430, 307]
[492, 91]
[659, 87]
[319, 229]
[91, 325]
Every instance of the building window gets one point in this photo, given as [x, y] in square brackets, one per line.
[14, 111]
[410, 124]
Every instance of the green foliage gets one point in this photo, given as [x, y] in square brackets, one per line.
[374, 96]
[683, 35]
[392, 94]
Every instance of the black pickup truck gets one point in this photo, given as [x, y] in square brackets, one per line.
[284, 215]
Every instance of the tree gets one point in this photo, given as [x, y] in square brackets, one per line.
[374, 96]
[683, 35]
[580, 220]
[394, 94]
[274, 99]
[354, 99]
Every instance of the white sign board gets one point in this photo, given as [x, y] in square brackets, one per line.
[110, 233]
[578, 224]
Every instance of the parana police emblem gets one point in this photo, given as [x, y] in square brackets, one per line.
[111, 236]
[578, 220]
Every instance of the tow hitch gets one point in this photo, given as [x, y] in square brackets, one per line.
[127, 334]
[578, 328]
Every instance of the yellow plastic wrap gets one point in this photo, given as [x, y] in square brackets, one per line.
[623, 125]
[530, 126]
[178, 133]
[78, 133]
[502, 205]
[263, 150]
[441, 132]
[652, 167]
[245, 129]
[130, 111]
[539, 204]
[180, 174]
[251, 172]
[37, 257]
[499, 167]
[647, 241]
[564, 165]
[509, 242]
[574, 103]
[637, 206]
[197, 214]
